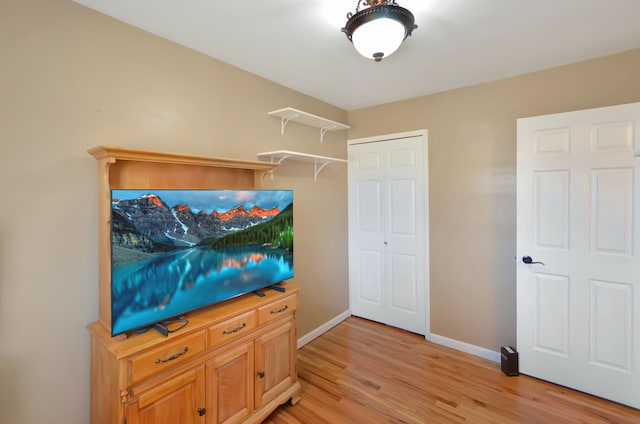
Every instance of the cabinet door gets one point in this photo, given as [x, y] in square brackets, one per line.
[178, 400]
[230, 385]
[275, 368]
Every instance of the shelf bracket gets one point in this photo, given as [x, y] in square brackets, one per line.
[324, 130]
[279, 161]
[317, 170]
[285, 120]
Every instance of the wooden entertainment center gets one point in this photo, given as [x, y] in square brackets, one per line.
[235, 362]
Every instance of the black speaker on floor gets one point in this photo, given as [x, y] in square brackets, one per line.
[509, 361]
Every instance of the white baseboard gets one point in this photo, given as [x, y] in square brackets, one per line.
[465, 347]
[323, 328]
[441, 340]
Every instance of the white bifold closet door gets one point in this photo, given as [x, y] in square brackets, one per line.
[388, 230]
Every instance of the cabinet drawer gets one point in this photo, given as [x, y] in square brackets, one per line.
[232, 328]
[277, 309]
[166, 356]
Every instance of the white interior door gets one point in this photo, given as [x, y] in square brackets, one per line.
[578, 212]
[388, 222]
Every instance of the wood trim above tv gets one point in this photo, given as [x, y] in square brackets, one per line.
[123, 168]
[121, 153]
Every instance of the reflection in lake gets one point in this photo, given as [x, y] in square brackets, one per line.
[168, 285]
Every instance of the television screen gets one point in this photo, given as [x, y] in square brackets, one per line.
[173, 251]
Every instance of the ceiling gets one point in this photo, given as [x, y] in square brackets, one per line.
[298, 43]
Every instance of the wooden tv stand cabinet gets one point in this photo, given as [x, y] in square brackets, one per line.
[235, 362]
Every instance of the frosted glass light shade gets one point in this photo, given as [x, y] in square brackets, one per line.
[380, 37]
[378, 30]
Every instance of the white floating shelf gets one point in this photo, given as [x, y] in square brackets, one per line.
[319, 162]
[290, 114]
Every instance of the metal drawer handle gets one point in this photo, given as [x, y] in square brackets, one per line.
[235, 330]
[284, 308]
[172, 357]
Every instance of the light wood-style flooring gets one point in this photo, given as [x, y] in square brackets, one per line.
[365, 372]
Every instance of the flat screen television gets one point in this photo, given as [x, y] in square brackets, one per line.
[174, 251]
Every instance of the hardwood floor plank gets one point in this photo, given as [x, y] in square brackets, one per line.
[362, 372]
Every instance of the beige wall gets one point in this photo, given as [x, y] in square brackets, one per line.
[71, 79]
[472, 181]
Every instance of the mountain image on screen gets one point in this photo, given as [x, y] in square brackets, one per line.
[173, 251]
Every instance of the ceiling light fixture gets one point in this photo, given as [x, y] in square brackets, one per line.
[379, 29]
